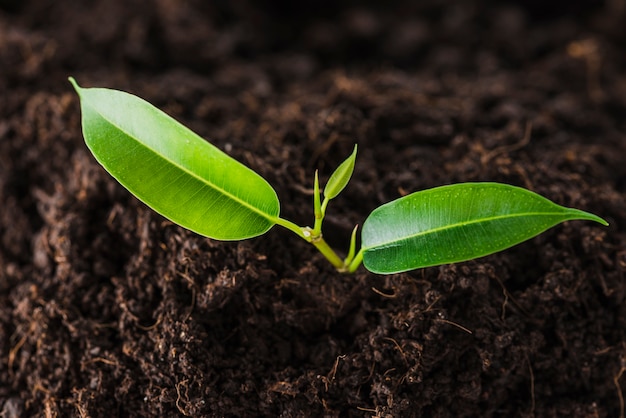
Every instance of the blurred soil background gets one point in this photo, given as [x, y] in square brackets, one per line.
[109, 310]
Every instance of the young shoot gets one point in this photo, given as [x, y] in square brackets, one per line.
[199, 187]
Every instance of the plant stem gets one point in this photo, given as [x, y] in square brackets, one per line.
[299, 231]
[352, 248]
[317, 206]
[318, 241]
[329, 253]
[319, 216]
[310, 235]
[356, 262]
[325, 205]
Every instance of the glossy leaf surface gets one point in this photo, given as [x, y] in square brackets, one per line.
[173, 170]
[340, 177]
[456, 223]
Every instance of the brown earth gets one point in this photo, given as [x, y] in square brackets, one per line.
[106, 309]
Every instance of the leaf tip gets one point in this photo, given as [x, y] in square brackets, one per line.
[581, 214]
[601, 221]
[341, 176]
[74, 84]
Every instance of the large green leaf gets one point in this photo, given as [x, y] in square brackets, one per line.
[173, 170]
[456, 223]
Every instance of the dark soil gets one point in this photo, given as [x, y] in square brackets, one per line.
[107, 309]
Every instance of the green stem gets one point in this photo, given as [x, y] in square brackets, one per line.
[293, 228]
[329, 253]
[317, 206]
[319, 217]
[322, 246]
[325, 205]
[352, 248]
[356, 262]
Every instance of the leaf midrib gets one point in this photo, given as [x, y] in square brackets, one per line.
[459, 224]
[182, 168]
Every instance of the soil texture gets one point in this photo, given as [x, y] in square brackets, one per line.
[109, 310]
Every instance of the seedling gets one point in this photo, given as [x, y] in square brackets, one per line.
[195, 185]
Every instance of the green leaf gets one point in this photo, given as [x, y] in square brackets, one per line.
[317, 204]
[340, 178]
[173, 170]
[456, 223]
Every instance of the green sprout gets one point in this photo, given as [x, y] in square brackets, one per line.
[197, 186]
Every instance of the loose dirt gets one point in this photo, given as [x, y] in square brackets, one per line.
[107, 309]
